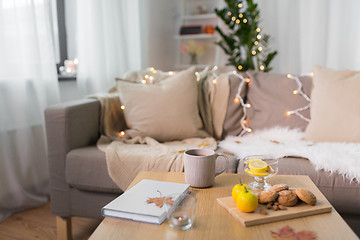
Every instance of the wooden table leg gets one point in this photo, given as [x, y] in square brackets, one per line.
[63, 226]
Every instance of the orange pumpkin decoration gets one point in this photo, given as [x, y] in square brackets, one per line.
[209, 29]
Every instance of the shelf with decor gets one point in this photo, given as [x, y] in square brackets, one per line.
[196, 37]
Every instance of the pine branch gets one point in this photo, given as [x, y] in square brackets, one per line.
[242, 18]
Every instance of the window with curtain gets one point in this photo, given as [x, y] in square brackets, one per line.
[28, 84]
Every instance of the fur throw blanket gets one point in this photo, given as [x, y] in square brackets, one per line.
[335, 157]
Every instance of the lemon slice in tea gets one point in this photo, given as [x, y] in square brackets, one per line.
[257, 165]
[265, 174]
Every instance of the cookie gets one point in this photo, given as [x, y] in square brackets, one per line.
[306, 196]
[279, 187]
[287, 198]
[267, 196]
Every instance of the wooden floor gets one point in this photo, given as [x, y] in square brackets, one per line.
[39, 223]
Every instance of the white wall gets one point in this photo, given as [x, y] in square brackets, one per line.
[160, 47]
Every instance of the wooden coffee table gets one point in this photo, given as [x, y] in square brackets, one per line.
[213, 222]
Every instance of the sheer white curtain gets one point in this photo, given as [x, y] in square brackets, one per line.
[28, 83]
[307, 32]
[109, 42]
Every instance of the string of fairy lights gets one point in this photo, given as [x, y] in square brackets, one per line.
[299, 90]
[238, 99]
[245, 82]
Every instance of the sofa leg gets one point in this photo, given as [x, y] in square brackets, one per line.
[63, 226]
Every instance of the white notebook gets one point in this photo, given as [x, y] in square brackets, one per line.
[133, 204]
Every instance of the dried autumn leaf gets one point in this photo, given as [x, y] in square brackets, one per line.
[305, 235]
[159, 201]
[168, 200]
[287, 233]
[237, 141]
[274, 141]
[203, 144]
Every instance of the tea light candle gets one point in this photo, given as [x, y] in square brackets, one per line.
[179, 219]
[70, 66]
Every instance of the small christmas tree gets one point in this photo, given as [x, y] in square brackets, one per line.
[246, 47]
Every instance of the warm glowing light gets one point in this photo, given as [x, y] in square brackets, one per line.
[295, 92]
[248, 105]
[215, 68]
[152, 70]
[258, 36]
[215, 81]
[312, 74]
[241, 15]
[240, 5]
[234, 72]
[262, 67]
[229, 13]
[253, 52]
[171, 73]
[236, 100]
[122, 107]
[143, 81]
[260, 49]
[76, 61]
[237, 21]
[198, 79]
[288, 76]
[146, 76]
[244, 122]
[249, 130]
[240, 67]
[233, 18]
[121, 134]
[288, 113]
[258, 29]
[151, 78]
[247, 80]
[244, 20]
[256, 43]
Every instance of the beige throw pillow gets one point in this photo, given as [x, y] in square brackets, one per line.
[165, 111]
[335, 106]
[270, 96]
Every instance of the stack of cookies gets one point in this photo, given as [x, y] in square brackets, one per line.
[280, 196]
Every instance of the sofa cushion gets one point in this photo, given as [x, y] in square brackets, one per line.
[86, 169]
[271, 96]
[234, 111]
[342, 193]
[165, 111]
[335, 103]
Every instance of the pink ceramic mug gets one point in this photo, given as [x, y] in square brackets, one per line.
[199, 167]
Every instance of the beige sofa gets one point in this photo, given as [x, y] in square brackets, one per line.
[81, 186]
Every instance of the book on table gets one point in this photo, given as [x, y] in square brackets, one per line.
[133, 204]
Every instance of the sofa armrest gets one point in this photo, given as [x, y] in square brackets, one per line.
[68, 126]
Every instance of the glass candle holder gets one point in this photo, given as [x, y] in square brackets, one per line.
[180, 215]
